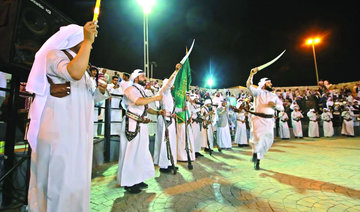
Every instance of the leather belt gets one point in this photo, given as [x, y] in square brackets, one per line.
[137, 118]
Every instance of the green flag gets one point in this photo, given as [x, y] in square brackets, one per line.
[181, 86]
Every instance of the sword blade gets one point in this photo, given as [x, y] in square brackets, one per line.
[271, 62]
[188, 53]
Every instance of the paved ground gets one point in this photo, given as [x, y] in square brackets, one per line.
[297, 175]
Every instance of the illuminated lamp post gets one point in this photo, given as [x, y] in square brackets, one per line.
[147, 6]
[313, 42]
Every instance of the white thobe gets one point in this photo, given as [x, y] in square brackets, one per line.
[232, 120]
[96, 110]
[195, 111]
[135, 161]
[327, 124]
[160, 151]
[223, 130]
[207, 134]
[240, 134]
[296, 123]
[2, 85]
[216, 101]
[181, 152]
[284, 131]
[347, 127]
[154, 105]
[263, 128]
[60, 175]
[249, 120]
[116, 112]
[313, 130]
[124, 85]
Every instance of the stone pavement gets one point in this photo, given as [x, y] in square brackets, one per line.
[297, 175]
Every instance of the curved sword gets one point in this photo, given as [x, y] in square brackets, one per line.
[271, 62]
[188, 53]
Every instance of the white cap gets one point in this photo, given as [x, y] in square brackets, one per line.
[207, 101]
[262, 82]
[135, 74]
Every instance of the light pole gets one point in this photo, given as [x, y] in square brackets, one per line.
[153, 63]
[146, 5]
[313, 42]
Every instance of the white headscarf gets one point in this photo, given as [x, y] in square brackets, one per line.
[67, 37]
[193, 96]
[207, 101]
[262, 82]
[136, 73]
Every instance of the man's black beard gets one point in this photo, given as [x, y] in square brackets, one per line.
[143, 83]
[268, 88]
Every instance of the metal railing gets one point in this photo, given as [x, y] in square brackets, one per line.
[107, 124]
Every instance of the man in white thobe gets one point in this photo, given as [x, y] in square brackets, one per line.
[116, 113]
[125, 82]
[166, 129]
[328, 128]
[223, 130]
[207, 133]
[296, 117]
[284, 131]
[313, 131]
[240, 133]
[195, 123]
[262, 123]
[181, 145]
[154, 105]
[61, 126]
[135, 161]
[347, 127]
[216, 100]
[93, 78]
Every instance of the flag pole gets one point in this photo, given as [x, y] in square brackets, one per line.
[190, 166]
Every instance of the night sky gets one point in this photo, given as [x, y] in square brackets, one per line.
[234, 36]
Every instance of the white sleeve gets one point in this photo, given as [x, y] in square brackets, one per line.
[132, 94]
[279, 104]
[57, 62]
[254, 91]
[178, 110]
[98, 96]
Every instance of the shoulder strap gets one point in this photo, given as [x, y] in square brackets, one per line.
[68, 55]
[49, 80]
[144, 95]
[141, 92]
[70, 58]
[207, 110]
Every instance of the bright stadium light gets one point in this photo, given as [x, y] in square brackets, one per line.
[210, 82]
[146, 5]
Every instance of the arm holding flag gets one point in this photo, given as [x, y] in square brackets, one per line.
[171, 79]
